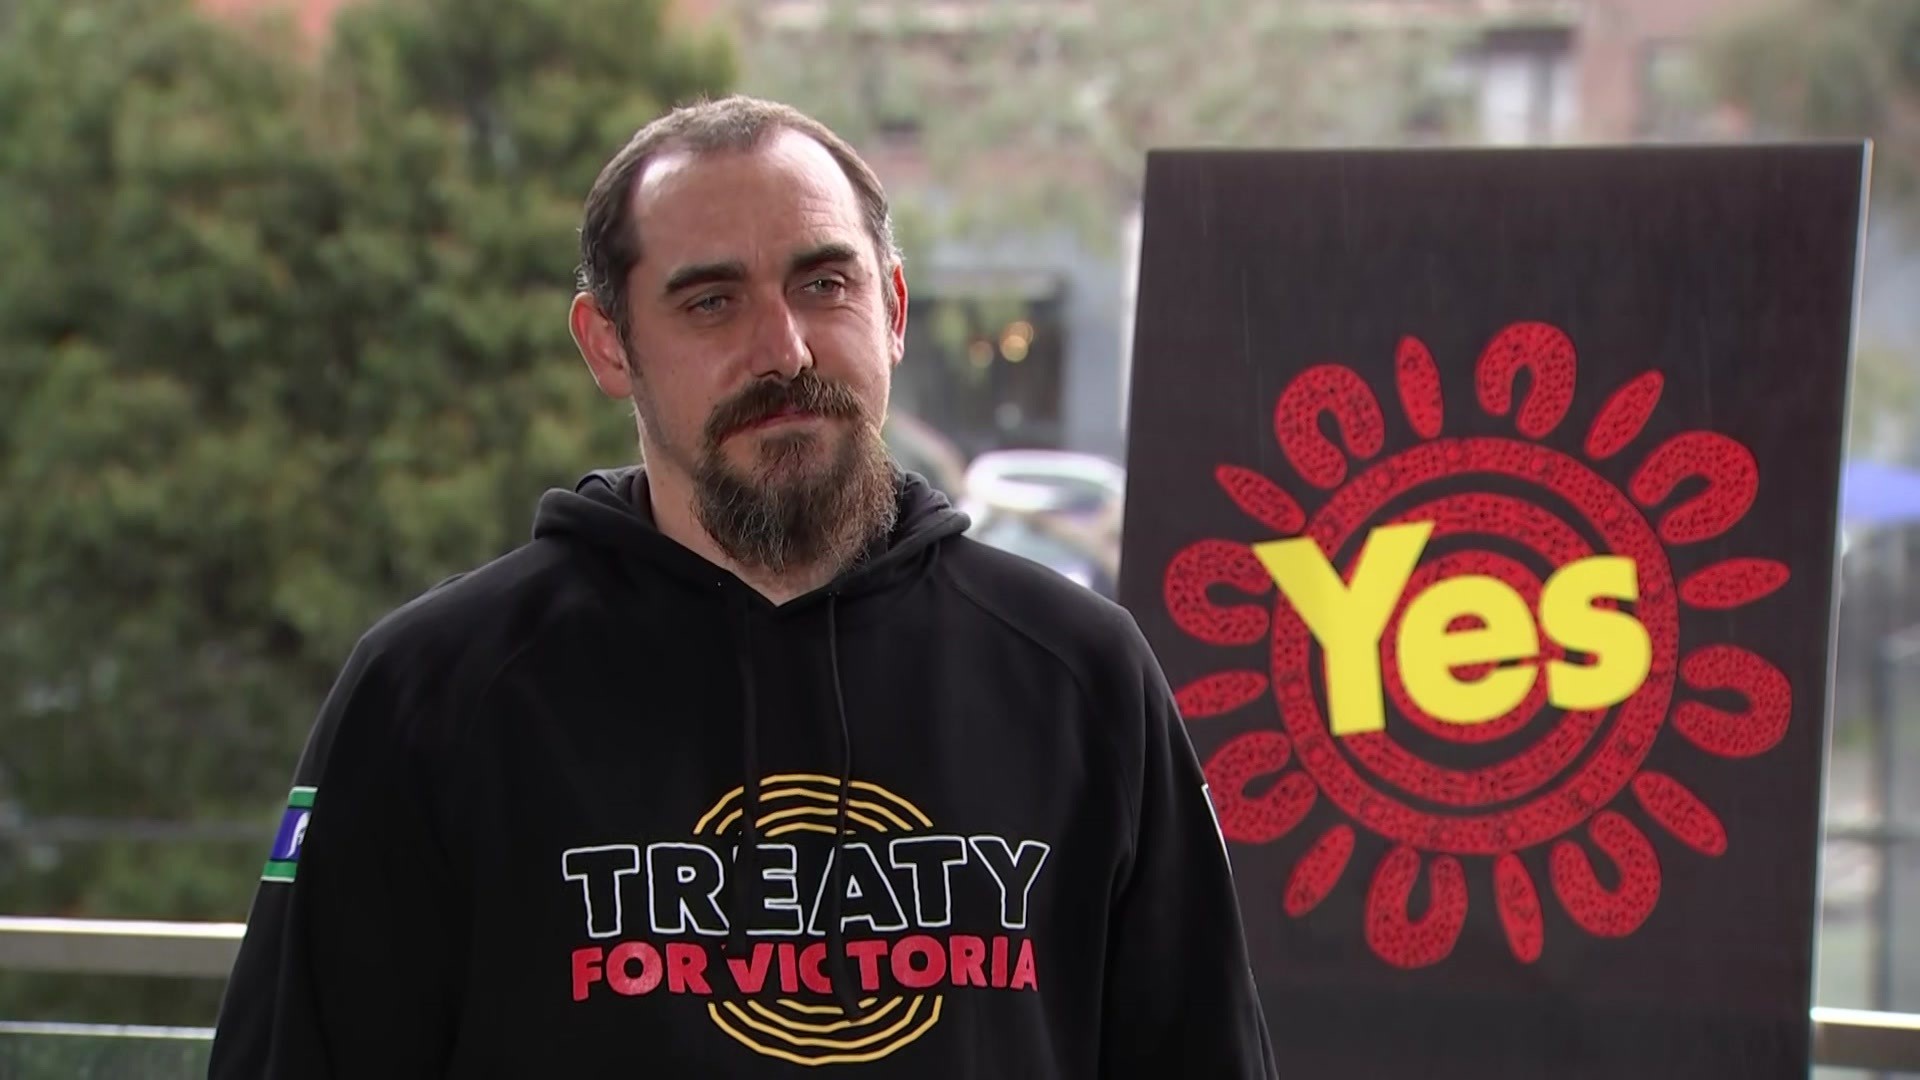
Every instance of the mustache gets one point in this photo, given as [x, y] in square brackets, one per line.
[807, 392]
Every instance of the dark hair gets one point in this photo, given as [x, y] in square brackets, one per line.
[609, 242]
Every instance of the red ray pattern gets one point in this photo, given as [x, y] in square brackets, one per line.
[1546, 354]
[1419, 382]
[1519, 905]
[1734, 582]
[1601, 911]
[1681, 811]
[1328, 389]
[1728, 467]
[1624, 415]
[1257, 819]
[1199, 567]
[1221, 692]
[1406, 942]
[1755, 729]
[1319, 870]
[1261, 499]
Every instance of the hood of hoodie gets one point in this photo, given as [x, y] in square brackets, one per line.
[609, 509]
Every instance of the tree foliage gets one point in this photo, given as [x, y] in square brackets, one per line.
[1843, 68]
[282, 343]
[1044, 113]
[1832, 67]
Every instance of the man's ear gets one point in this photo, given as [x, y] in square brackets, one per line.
[897, 333]
[600, 346]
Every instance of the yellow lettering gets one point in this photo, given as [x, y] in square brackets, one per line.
[1622, 652]
[1348, 619]
[1429, 651]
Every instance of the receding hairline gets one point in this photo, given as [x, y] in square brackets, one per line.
[609, 237]
[680, 152]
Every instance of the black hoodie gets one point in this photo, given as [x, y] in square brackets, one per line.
[513, 841]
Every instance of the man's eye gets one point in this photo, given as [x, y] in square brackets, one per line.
[707, 305]
[826, 285]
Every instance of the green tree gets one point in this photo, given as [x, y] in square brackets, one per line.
[1036, 118]
[1884, 399]
[1040, 114]
[1851, 69]
[282, 343]
[1846, 68]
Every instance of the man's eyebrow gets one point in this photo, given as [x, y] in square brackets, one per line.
[824, 255]
[704, 274]
[731, 270]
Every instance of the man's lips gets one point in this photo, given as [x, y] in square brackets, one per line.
[778, 416]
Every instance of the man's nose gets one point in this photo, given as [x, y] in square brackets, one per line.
[780, 347]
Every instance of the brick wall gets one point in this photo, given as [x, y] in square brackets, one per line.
[1616, 42]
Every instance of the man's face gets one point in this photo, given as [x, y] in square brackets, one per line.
[762, 347]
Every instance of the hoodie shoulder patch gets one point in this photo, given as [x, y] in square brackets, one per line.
[284, 859]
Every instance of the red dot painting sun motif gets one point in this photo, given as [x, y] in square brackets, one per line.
[1569, 783]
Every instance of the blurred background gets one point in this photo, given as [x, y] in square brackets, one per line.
[283, 341]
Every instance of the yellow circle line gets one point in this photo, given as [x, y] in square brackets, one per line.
[713, 1010]
[821, 1010]
[832, 782]
[866, 1019]
[825, 797]
[819, 811]
[799, 811]
[913, 1011]
[858, 785]
[856, 804]
[701, 825]
[802, 826]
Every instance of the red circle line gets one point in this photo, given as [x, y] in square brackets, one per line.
[1611, 766]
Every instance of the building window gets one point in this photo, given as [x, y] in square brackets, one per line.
[1527, 88]
[986, 372]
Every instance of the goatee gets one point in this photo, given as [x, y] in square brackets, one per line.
[789, 511]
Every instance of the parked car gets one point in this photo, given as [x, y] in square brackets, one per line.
[1059, 508]
[1082, 487]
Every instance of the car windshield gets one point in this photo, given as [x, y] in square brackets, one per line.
[1076, 495]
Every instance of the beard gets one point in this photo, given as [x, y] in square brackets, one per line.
[810, 499]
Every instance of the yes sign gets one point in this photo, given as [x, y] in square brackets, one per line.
[1348, 620]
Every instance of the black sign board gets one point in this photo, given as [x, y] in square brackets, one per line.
[1482, 507]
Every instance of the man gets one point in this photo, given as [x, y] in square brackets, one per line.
[749, 763]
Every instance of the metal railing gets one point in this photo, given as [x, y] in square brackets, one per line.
[119, 947]
[1894, 656]
[1843, 1038]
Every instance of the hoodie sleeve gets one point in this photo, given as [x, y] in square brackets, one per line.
[1180, 994]
[351, 959]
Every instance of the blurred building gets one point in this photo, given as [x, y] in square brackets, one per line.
[1022, 340]
[1531, 71]
[1641, 75]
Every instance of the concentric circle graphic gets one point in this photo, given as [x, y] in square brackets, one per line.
[1509, 511]
[819, 1032]
[1604, 775]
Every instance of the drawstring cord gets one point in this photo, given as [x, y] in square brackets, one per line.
[746, 858]
[841, 976]
[746, 861]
